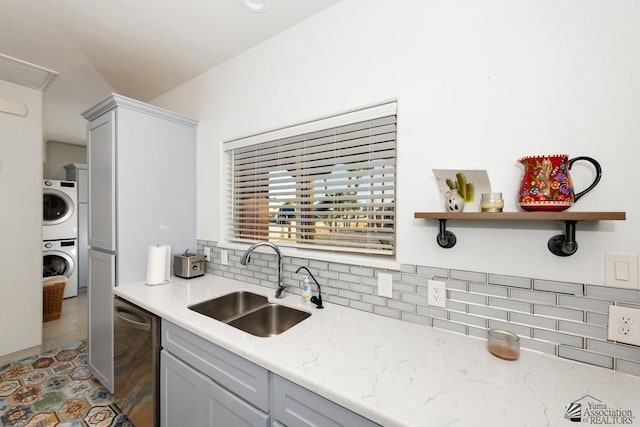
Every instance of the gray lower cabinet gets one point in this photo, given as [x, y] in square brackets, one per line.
[203, 384]
[190, 398]
[294, 406]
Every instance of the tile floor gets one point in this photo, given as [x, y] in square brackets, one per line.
[71, 327]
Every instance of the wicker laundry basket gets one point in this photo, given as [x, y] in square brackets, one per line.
[52, 295]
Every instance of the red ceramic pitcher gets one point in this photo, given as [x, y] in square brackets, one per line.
[546, 184]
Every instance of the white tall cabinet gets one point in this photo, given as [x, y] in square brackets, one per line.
[141, 162]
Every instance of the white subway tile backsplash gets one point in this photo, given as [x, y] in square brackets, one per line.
[408, 268]
[469, 276]
[558, 312]
[582, 329]
[559, 287]
[456, 306]
[363, 289]
[511, 281]
[466, 297]
[411, 279]
[416, 318]
[585, 356]
[597, 319]
[541, 346]
[385, 311]
[402, 306]
[508, 304]
[530, 319]
[467, 319]
[549, 316]
[479, 288]
[628, 367]
[456, 285]
[345, 277]
[533, 296]
[432, 312]
[415, 299]
[488, 312]
[521, 330]
[450, 326]
[625, 351]
[556, 337]
[584, 303]
[432, 271]
[374, 299]
[362, 271]
[359, 305]
[613, 294]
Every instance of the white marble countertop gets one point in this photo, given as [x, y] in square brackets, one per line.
[397, 373]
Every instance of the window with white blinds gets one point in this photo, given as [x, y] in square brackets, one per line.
[332, 188]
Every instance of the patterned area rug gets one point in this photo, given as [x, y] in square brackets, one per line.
[56, 388]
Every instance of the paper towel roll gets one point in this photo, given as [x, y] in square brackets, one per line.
[158, 265]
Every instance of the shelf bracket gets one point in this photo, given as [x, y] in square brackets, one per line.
[445, 239]
[564, 244]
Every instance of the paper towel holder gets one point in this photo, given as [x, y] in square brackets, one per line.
[158, 265]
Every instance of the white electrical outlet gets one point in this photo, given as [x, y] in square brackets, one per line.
[623, 324]
[437, 293]
[224, 257]
[385, 285]
[207, 253]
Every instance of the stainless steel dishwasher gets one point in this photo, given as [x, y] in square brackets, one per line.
[136, 363]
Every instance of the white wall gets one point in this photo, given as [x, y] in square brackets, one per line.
[479, 84]
[21, 222]
[58, 155]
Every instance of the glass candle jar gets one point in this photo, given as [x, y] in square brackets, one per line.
[491, 202]
[503, 344]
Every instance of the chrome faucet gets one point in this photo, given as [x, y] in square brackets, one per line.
[247, 257]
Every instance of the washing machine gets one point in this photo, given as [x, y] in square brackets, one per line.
[60, 258]
[59, 210]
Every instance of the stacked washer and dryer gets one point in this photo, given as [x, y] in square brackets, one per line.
[60, 232]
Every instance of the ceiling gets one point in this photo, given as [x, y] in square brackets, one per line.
[138, 49]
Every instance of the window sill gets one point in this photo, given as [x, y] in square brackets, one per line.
[378, 263]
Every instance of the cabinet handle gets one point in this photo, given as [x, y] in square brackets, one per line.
[119, 312]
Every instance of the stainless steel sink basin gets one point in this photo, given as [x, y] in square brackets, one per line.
[230, 305]
[251, 313]
[269, 320]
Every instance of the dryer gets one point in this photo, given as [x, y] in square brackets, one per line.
[59, 210]
[60, 257]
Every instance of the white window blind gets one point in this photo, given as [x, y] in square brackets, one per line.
[329, 189]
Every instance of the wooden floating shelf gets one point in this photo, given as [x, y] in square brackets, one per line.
[525, 216]
[561, 245]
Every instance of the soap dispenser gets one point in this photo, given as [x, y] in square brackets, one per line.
[306, 291]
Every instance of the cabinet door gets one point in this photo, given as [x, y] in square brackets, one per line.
[180, 393]
[100, 297]
[224, 409]
[101, 142]
[294, 405]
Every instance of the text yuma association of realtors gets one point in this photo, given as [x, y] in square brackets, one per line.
[599, 413]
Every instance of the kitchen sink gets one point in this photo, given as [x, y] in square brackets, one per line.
[269, 320]
[230, 305]
[251, 313]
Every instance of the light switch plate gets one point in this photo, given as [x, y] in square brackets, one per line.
[621, 270]
[224, 257]
[385, 285]
[624, 324]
